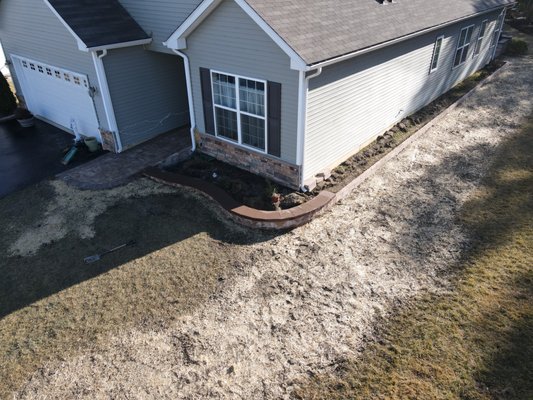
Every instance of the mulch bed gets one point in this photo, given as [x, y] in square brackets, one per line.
[257, 192]
[245, 187]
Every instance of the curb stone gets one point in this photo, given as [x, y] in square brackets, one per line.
[305, 213]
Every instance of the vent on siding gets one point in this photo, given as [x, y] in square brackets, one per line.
[385, 1]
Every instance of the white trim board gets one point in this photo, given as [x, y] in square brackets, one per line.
[178, 40]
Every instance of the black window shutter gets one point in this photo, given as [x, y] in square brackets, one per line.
[207, 100]
[274, 119]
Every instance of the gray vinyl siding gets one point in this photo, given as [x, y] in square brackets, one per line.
[148, 91]
[160, 18]
[353, 102]
[230, 41]
[28, 28]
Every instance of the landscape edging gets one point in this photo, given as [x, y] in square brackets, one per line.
[300, 215]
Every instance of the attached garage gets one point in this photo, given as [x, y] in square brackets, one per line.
[58, 95]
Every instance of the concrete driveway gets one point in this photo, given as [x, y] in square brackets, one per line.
[30, 155]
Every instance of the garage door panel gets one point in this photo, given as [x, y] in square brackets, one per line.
[59, 95]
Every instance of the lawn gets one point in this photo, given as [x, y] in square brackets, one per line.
[54, 306]
[475, 342]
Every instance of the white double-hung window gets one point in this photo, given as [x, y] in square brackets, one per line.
[481, 36]
[240, 109]
[463, 46]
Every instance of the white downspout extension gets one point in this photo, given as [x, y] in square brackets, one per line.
[302, 120]
[106, 96]
[192, 116]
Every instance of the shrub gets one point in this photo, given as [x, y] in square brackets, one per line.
[517, 47]
[8, 103]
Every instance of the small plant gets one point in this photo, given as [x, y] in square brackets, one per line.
[8, 103]
[517, 47]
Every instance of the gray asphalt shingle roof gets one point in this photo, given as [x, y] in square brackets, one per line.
[99, 22]
[319, 30]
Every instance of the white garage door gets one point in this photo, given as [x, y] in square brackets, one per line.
[57, 95]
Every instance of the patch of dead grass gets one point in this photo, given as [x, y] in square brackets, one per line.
[53, 305]
[476, 341]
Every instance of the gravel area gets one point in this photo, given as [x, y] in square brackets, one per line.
[308, 299]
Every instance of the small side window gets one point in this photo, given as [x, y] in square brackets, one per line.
[481, 36]
[436, 54]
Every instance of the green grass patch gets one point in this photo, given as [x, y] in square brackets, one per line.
[476, 342]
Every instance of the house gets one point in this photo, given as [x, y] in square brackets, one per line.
[286, 89]
[291, 89]
[90, 62]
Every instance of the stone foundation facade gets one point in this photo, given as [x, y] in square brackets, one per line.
[260, 164]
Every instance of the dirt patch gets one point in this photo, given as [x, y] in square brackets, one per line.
[243, 186]
[72, 211]
[300, 304]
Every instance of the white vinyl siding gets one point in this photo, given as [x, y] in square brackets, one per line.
[230, 41]
[160, 18]
[463, 46]
[148, 91]
[353, 102]
[436, 54]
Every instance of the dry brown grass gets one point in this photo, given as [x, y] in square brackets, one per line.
[53, 306]
[475, 342]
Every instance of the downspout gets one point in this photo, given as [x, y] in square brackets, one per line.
[192, 116]
[106, 96]
[302, 123]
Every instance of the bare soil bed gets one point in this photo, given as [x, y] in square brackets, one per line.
[257, 192]
[300, 304]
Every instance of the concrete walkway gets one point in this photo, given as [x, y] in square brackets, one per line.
[113, 170]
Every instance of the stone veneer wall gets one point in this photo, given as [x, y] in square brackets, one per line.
[260, 164]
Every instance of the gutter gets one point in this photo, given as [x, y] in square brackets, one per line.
[192, 115]
[132, 43]
[366, 50]
[106, 96]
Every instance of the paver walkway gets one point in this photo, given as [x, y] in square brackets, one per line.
[113, 170]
